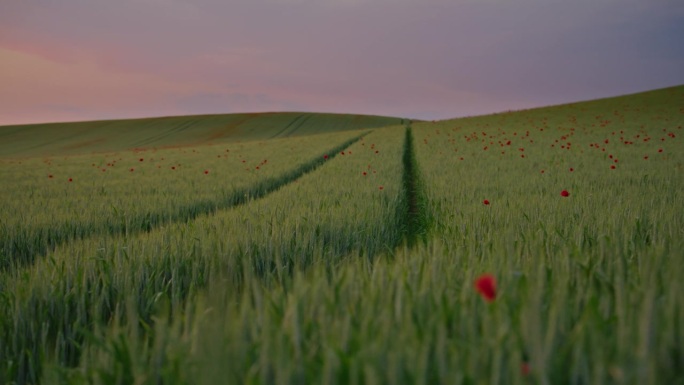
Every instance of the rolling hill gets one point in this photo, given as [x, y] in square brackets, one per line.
[536, 246]
[178, 131]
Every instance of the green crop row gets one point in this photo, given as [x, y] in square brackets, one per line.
[347, 208]
[49, 202]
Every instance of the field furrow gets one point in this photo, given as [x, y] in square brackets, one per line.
[417, 215]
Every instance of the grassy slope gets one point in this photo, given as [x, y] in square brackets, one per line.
[56, 139]
[587, 284]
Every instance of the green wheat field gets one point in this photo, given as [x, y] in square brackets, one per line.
[304, 248]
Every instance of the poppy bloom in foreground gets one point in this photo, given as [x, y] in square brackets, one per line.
[486, 202]
[565, 193]
[524, 368]
[486, 286]
[206, 172]
[381, 187]
[325, 156]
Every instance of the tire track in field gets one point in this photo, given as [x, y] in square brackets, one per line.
[413, 211]
[295, 123]
[17, 253]
[296, 127]
[174, 130]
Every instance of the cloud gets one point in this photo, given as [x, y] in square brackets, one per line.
[35, 88]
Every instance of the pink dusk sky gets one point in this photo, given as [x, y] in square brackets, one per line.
[67, 60]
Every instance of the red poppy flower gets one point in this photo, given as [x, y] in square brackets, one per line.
[206, 172]
[612, 167]
[50, 176]
[486, 202]
[365, 173]
[572, 169]
[141, 159]
[132, 169]
[325, 156]
[71, 180]
[486, 286]
[565, 193]
[542, 171]
[524, 368]
[381, 187]
[660, 150]
[173, 167]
